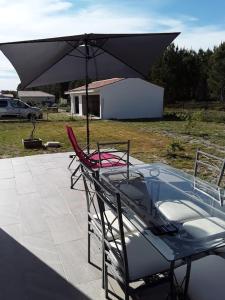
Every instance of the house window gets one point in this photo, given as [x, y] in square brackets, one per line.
[76, 105]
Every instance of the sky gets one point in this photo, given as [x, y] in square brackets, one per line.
[201, 22]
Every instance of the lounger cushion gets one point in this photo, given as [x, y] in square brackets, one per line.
[180, 210]
[204, 227]
[143, 259]
[128, 227]
[207, 278]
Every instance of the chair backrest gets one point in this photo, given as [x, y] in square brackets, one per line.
[73, 140]
[108, 200]
[89, 186]
[209, 167]
[79, 152]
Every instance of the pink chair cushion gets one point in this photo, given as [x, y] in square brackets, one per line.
[92, 161]
[110, 164]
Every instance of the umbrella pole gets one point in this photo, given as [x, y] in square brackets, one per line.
[87, 104]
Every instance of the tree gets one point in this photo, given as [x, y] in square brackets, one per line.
[216, 79]
[202, 90]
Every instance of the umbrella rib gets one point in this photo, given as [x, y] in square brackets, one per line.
[76, 48]
[96, 69]
[76, 56]
[123, 62]
[49, 67]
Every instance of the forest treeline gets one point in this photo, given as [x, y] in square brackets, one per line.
[185, 74]
[188, 75]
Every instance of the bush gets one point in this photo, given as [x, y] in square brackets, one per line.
[193, 116]
[174, 147]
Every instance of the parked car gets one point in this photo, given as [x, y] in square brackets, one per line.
[10, 107]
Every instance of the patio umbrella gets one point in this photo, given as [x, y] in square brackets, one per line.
[87, 56]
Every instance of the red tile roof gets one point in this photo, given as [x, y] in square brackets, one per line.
[97, 84]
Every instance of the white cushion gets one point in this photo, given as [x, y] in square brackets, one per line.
[202, 228]
[143, 258]
[127, 226]
[207, 278]
[180, 210]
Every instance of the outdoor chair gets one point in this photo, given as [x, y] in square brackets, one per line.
[206, 278]
[98, 159]
[127, 257]
[94, 219]
[209, 167]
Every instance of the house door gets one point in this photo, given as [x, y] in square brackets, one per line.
[77, 105]
[94, 105]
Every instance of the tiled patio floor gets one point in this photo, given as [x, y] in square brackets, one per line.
[43, 234]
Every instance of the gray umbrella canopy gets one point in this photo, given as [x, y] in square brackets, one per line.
[88, 56]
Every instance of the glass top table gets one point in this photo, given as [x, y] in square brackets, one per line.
[179, 215]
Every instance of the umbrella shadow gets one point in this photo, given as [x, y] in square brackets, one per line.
[24, 277]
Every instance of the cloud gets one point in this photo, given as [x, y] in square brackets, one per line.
[25, 19]
[201, 37]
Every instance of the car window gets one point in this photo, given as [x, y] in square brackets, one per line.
[18, 104]
[3, 103]
[22, 104]
[14, 103]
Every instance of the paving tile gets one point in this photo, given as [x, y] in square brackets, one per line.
[6, 174]
[47, 189]
[75, 200]
[8, 196]
[31, 214]
[18, 161]
[76, 252]
[54, 205]
[37, 169]
[93, 289]
[82, 273]
[5, 164]
[9, 213]
[42, 246]
[6, 184]
[20, 168]
[64, 228]
[82, 219]
[25, 183]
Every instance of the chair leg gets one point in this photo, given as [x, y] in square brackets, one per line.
[72, 177]
[89, 246]
[126, 291]
[106, 280]
[103, 267]
[73, 158]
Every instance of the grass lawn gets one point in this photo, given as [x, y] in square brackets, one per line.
[173, 142]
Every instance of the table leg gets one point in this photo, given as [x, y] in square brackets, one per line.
[171, 277]
[187, 277]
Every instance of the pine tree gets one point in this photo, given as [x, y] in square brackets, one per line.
[216, 79]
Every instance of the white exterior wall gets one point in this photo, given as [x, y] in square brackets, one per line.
[80, 105]
[130, 99]
[72, 100]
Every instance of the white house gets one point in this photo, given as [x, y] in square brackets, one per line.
[119, 98]
[36, 97]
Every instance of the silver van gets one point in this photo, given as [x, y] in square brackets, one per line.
[10, 107]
